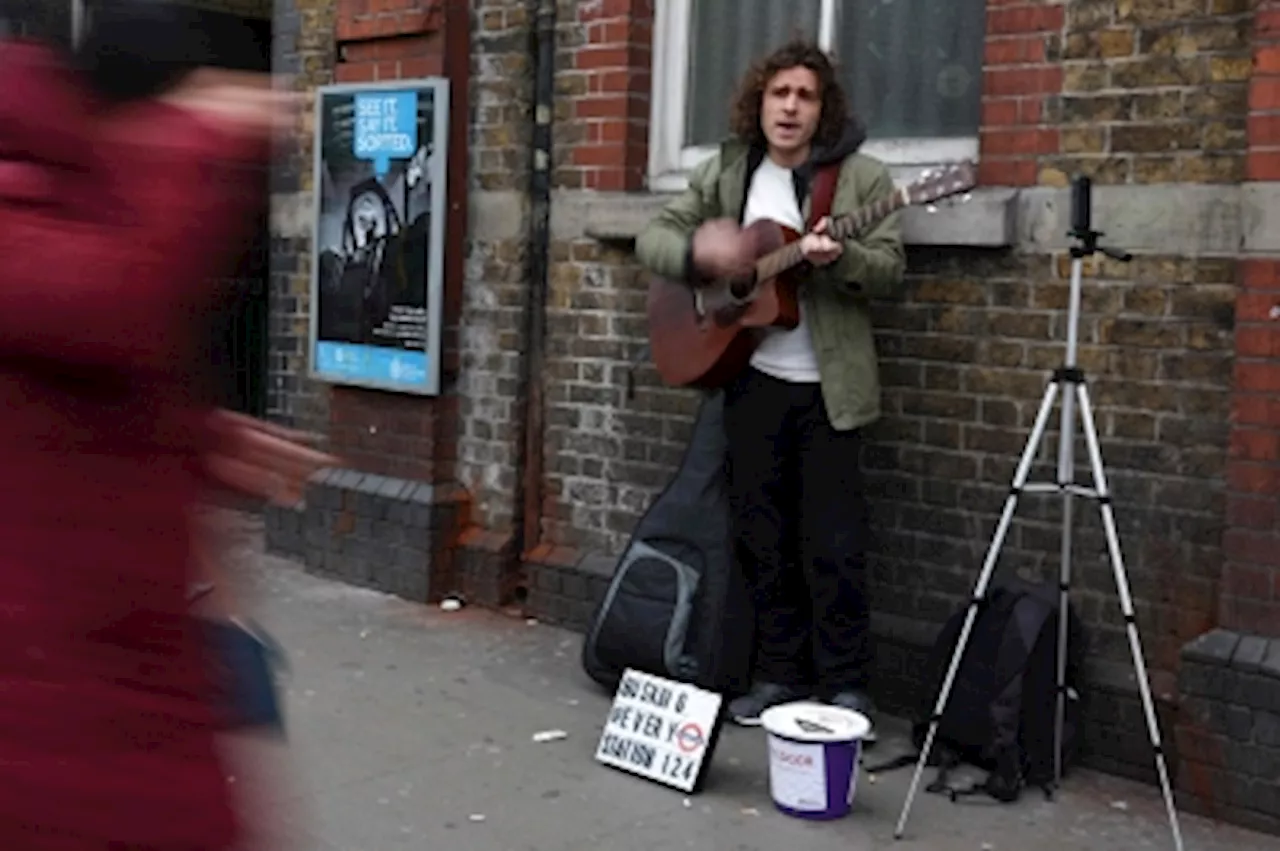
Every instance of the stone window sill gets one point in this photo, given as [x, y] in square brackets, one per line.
[987, 219]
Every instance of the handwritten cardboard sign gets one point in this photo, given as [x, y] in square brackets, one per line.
[661, 730]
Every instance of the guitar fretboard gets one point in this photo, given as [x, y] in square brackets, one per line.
[841, 228]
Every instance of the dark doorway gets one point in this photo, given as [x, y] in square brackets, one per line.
[240, 352]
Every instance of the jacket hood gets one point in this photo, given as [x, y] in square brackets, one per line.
[850, 141]
[43, 122]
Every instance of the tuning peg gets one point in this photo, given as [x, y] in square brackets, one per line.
[931, 208]
[966, 198]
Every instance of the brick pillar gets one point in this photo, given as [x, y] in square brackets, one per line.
[1250, 598]
[1017, 79]
[608, 93]
[387, 433]
[392, 518]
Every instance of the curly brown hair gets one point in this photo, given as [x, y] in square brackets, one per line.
[745, 117]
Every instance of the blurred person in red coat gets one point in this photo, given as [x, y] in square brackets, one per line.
[123, 189]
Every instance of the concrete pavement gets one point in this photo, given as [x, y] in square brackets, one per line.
[411, 728]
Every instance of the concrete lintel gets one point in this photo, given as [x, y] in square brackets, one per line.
[1260, 218]
[291, 215]
[1179, 219]
[610, 216]
[985, 218]
[492, 215]
[496, 215]
[1190, 220]
[1173, 218]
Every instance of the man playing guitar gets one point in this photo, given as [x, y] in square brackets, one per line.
[793, 418]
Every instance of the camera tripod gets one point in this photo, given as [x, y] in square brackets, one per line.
[1069, 382]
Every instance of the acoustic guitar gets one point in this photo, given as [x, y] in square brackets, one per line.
[702, 336]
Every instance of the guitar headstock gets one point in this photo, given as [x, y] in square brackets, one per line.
[942, 182]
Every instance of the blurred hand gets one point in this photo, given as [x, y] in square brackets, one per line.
[263, 460]
[818, 248]
[238, 102]
[721, 251]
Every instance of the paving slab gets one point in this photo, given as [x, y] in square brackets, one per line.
[412, 728]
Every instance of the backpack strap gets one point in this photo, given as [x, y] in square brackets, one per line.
[824, 192]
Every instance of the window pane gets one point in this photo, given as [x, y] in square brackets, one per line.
[913, 68]
[725, 37]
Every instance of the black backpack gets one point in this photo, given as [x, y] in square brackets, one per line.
[1001, 712]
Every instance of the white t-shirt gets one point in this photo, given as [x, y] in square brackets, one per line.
[786, 354]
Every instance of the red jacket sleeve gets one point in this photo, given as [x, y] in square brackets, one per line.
[116, 271]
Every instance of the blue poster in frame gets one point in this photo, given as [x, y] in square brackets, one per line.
[378, 249]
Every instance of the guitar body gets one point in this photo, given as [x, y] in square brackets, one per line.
[704, 336]
[707, 349]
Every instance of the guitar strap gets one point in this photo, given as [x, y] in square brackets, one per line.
[824, 192]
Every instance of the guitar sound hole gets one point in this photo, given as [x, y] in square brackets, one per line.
[741, 288]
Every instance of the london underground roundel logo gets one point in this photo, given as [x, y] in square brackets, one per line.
[689, 737]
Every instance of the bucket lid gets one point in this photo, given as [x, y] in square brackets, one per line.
[805, 721]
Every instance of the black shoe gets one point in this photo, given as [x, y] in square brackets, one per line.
[747, 709]
[861, 703]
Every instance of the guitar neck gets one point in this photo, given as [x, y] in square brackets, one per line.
[841, 228]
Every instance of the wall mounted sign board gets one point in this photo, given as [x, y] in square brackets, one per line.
[378, 247]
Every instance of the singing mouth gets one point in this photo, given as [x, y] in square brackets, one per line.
[788, 126]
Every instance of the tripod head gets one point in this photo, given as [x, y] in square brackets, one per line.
[1082, 224]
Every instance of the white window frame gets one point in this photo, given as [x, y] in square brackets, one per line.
[670, 161]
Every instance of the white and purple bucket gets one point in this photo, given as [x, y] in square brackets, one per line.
[813, 758]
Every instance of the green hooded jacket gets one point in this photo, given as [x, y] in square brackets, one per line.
[836, 297]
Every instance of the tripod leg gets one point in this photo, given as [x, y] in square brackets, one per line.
[1126, 606]
[980, 594]
[1066, 480]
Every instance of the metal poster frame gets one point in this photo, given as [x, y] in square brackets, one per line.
[342, 361]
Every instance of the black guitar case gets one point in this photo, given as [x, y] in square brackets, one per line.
[678, 605]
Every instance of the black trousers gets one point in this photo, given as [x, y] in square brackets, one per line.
[801, 526]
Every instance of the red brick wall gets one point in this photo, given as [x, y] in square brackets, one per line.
[377, 432]
[1250, 599]
[1264, 95]
[1017, 78]
[609, 86]
[388, 40]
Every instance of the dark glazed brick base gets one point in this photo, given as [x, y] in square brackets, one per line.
[378, 532]
[489, 570]
[1229, 733]
[567, 593]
